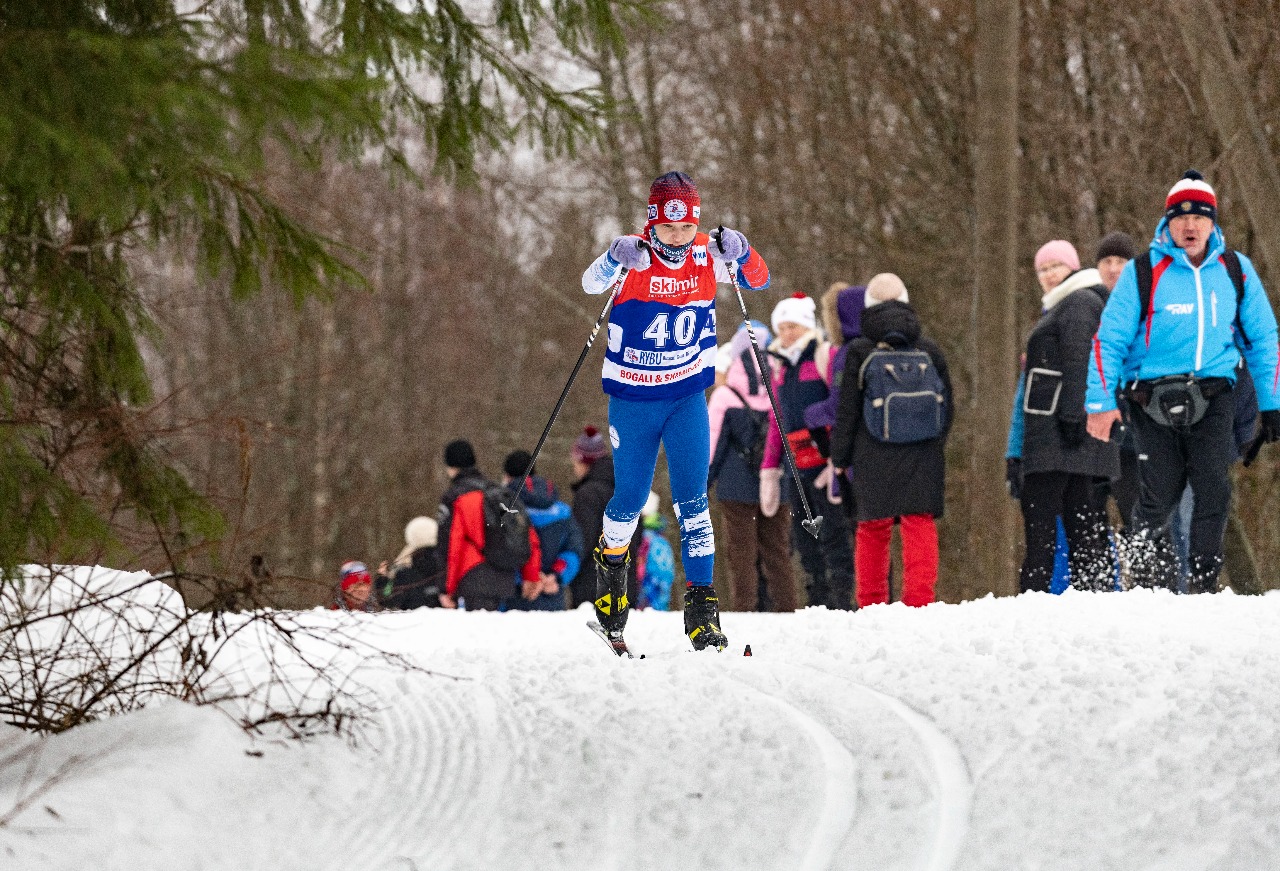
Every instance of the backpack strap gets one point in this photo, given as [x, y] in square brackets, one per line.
[751, 365]
[1231, 260]
[741, 398]
[1147, 276]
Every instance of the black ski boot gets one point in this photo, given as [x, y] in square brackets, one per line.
[702, 618]
[611, 602]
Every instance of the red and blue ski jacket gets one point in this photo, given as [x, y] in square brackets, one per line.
[662, 330]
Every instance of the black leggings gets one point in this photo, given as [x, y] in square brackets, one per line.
[1046, 496]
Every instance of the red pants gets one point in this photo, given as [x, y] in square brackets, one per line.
[919, 560]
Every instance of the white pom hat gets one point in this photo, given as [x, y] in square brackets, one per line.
[796, 309]
[724, 357]
[421, 532]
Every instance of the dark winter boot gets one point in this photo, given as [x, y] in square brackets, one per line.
[1152, 561]
[611, 602]
[1204, 574]
[702, 618]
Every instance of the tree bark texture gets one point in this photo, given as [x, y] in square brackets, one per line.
[1230, 102]
[993, 524]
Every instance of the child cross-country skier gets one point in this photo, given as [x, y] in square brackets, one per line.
[659, 361]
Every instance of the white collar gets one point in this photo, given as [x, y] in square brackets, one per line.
[1075, 281]
[793, 352]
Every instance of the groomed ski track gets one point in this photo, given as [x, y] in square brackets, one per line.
[573, 758]
[1099, 732]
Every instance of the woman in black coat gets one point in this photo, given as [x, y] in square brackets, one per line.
[1061, 462]
[591, 493]
[891, 481]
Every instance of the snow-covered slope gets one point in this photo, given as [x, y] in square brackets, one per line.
[1135, 731]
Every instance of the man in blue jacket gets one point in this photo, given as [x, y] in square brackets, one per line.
[1174, 353]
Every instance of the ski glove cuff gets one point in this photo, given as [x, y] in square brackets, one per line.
[631, 252]
[728, 245]
[770, 491]
[1013, 476]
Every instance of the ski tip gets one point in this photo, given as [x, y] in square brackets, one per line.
[619, 647]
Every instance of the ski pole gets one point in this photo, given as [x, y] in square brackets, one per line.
[811, 524]
[564, 394]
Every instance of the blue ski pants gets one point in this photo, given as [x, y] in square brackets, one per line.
[636, 430]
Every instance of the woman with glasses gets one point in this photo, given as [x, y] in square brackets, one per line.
[1055, 465]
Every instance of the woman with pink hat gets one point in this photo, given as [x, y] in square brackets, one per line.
[1054, 463]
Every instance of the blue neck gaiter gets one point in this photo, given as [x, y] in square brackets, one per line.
[670, 253]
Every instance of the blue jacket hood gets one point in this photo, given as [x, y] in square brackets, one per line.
[549, 514]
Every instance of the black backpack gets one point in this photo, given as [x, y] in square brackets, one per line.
[506, 529]
[753, 453]
[903, 397]
[1143, 273]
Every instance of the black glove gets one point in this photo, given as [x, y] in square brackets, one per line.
[1269, 426]
[1072, 432]
[1268, 431]
[821, 437]
[1013, 476]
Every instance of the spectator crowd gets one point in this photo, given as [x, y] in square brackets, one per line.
[1145, 377]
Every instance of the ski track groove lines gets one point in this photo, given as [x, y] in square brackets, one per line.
[952, 789]
[951, 775]
[952, 782]
[441, 764]
[446, 760]
[839, 791]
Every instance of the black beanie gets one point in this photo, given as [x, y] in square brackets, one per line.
[459, 454]
[516, 463]
[1116, 245]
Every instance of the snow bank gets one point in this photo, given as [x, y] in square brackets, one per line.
[1095, 731]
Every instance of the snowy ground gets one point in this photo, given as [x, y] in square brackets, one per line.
[1135, 731]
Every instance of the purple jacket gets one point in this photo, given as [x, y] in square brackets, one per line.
[849, 306]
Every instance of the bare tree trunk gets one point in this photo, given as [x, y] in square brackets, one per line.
[616, 153]
[322, 507]
[1231, 103]
[1242, 567]
[992, 520]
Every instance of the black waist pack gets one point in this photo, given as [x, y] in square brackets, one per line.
[1178, 401]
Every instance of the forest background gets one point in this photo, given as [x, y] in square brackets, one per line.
[845, 139]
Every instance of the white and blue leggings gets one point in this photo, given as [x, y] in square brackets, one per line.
[636, 428]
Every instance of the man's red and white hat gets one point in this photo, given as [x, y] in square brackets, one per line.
[1192, 195]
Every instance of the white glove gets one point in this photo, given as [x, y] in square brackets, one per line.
[631, 252]
[824, 478]
[770, 490]
[831, 481]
